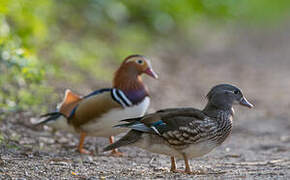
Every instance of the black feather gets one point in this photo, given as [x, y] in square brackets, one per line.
[50, 114]
[131, 119]
[49, 117]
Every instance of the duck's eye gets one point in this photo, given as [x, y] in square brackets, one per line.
[236, 91]
[139, 61]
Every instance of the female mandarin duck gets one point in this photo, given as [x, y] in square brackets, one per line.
[97, 113]
[185, 132]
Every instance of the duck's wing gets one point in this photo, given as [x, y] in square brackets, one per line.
[177, 126]
[97, 104]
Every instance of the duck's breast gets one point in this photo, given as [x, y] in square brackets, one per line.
[199, 149]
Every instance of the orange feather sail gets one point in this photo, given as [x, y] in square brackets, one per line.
[69, 102]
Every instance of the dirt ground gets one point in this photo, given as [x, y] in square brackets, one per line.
[259, 147]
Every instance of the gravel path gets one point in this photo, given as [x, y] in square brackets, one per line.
[32, 153]
[259, 147]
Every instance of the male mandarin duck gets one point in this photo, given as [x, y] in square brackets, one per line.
[185, 132]
[96, 114]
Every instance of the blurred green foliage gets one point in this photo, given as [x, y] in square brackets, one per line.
[21, 79]
[71, 40]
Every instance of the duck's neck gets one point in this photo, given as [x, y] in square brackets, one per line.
[132, 85]
[213, 111]
[224, 117]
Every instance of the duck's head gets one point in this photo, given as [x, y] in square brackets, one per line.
[225, 96]
[136, 65]
[128, 76]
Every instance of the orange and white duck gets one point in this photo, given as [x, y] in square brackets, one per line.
[96, 113]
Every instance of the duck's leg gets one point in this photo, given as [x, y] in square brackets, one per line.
[187, 166]
[115, 152]
[173, 164]
[81, 144]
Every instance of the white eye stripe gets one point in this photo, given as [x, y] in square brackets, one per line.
[141, 59]
[229, 91]
[233, 92]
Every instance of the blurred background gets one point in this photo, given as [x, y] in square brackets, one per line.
[47, 46]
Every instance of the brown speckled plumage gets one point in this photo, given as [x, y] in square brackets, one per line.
[186, 132]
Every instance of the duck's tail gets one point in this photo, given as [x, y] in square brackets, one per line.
[130, 138]
[55, 120]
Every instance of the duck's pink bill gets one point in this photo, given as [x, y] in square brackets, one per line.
[151, 73]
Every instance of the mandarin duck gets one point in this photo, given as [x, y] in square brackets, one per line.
[96, 113]
[185, 132]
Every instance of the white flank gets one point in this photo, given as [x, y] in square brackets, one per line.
[103, 126]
